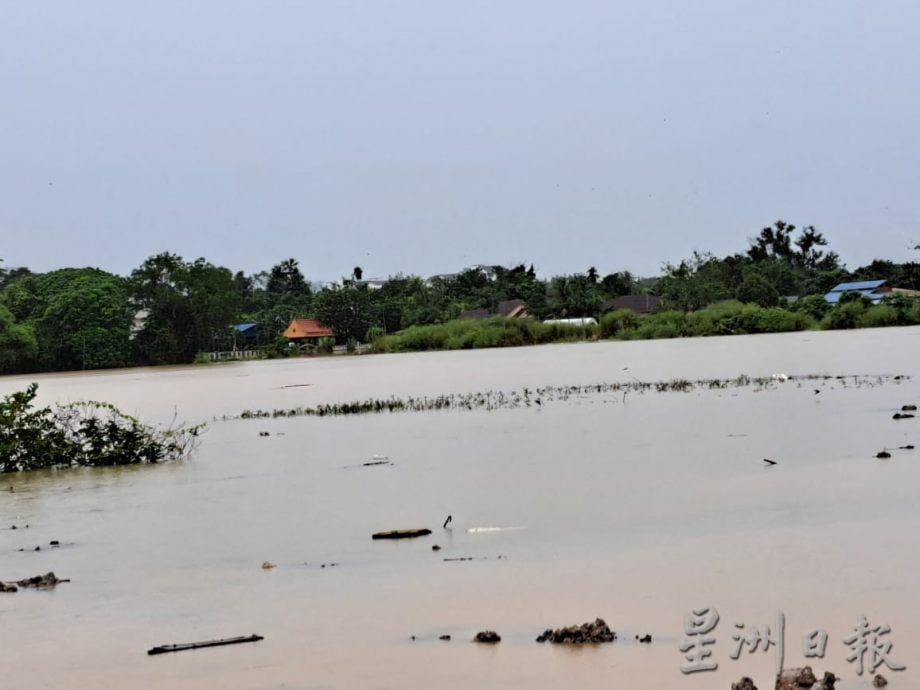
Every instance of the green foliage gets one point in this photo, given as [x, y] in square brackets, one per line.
[190, 308]
[347, 311]
[170, 309]
[475, 334]
[615, 322]
[286, 279]
[326, 346]
[813, 305]
[755, 289]
[375, 332]
[858, 312]
[18, 346]
[80, 317]
[86, 434]
[726, 318]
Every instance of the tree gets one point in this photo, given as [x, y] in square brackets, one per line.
[808, 242]
[86, 323]
[190, 308]
[755, 289]
[592, 275]
[617, 284]
[347, 311]
[82, 434]
[286, 278]
[357, 274]
[18, 347]
[773, 243]
[80, 317]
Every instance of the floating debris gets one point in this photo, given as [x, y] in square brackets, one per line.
[497, 400]
[436, 547]
[268, 565]
[401, 534]
[902, 415]
[908, 408]
[769, 462]
[879, 681]
[644, 639]
[595, 632]
[744, 684]
[163, 649]
[446, 638]
[883, 455]
[907, 447]
[488, 637]
[799, 678]
[46, 581]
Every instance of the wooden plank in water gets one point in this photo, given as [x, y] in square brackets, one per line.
[163, 649]
[401, 534]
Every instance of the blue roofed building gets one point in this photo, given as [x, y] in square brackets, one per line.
[874, 290]
[244, 333]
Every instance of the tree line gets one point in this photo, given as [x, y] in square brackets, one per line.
[169, 309]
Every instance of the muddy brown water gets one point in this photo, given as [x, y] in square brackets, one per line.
[635, 511]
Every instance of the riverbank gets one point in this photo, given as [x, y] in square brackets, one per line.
[728, 318]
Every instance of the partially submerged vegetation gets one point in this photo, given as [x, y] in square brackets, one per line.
[725, 318]
[475, 334]
[82, 434]
[537, 397]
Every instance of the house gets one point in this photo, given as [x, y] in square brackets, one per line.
[468, 314]
[246, 330]
[873, 290]
[244, 333]
[307, 332]
[641, 304]
[509, 309]
[512, 309]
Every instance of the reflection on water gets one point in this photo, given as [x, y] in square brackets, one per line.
[636, 512]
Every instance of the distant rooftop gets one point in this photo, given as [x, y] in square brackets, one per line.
[859, 285]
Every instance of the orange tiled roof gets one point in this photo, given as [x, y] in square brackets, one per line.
[307, 328]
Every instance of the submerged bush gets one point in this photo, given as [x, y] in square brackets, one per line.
[725, 318]
[84, 434]
[618, 321]
[481, 333]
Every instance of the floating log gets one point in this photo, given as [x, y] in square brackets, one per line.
[401, 534]
[163, 649]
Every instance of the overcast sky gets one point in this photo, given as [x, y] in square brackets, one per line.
[421, 136]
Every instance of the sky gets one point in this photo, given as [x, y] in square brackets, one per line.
[417, 136]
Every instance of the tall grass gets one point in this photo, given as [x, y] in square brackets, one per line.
[727, 318]
[476, 334]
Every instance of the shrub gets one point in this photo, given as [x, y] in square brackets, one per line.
[616, 321]
[813, 305]
[846, 314]
[878, 316]
[83, 434]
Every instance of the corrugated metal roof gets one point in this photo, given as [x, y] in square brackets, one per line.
[860, 285]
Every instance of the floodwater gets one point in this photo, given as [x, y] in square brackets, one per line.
[634, 510]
